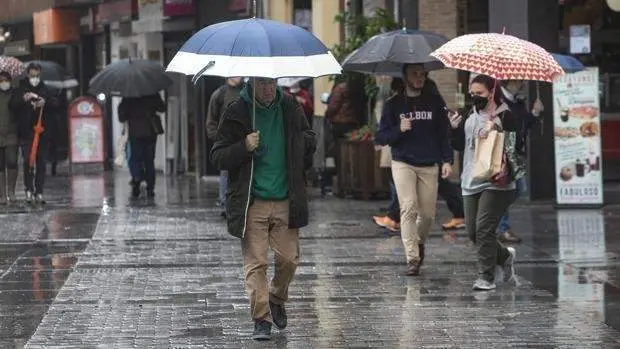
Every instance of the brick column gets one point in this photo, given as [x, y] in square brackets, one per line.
[329, 32]
[441, 16]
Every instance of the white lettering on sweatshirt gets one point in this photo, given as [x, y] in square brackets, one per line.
[417, 115]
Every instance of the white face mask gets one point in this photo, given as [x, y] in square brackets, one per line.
[35, 81]
[5, 85]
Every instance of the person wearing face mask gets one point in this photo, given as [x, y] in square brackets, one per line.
[34, 96]
[513, 95]
[485, 201]
[415, 125]
[8, 139]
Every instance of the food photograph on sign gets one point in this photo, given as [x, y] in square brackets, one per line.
[577, 131]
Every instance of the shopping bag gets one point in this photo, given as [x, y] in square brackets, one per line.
[121, 146]
[488, 156]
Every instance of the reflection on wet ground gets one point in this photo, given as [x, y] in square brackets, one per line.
[95, 269]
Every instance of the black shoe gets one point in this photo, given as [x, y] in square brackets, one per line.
[223, 214]
[278, 313]
[135, 190]
[262, 330]
[413, 268]
[150, 194]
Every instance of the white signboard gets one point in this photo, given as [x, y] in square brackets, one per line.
[577, 128]
[580, 39]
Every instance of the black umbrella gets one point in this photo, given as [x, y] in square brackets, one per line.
[385, 54]
[53, 74]
[130, 78]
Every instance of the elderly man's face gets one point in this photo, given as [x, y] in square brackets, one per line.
[265, 90]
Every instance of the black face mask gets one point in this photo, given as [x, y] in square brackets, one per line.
[479, 102]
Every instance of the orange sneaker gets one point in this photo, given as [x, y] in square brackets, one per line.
[386, 222]
[454, 223]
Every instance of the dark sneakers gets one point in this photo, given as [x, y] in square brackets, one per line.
[413, 268]
[278, 313]
[135, 190]
[262, 330]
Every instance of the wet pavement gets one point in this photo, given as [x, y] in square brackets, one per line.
[94, 269]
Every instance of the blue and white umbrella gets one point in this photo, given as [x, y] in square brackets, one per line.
[254, 47]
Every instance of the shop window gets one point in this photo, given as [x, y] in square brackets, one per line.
[302, 14]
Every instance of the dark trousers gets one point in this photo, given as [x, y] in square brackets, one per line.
[482, 214]
[8, 158]
[34, 178]
[451, 193]
[142, 161]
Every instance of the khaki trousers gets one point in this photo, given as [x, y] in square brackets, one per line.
[417, 194]
[267, 226]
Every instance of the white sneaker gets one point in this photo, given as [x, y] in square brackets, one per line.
[483, 285]
[29, 197]
[509, 265]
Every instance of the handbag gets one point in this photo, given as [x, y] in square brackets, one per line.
[121, 147]
[156, 124]
[488, 155]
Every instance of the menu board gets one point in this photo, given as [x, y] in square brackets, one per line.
[577, 129]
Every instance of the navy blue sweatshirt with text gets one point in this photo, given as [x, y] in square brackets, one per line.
[428, 142]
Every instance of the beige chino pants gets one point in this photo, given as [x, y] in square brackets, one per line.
[417, 195]
[267, 226]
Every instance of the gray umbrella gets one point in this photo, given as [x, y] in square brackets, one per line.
[385, 54]
[130, 78]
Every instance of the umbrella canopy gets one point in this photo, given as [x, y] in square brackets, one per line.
[254, 47]
[53, 74]
[570, 64]
[385, 54]
[11, 65]
[500, 56]
[289, 82]
[130, 78]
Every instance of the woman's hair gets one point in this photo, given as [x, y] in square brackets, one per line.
[397, 85]
[490, 84]
[6, 75]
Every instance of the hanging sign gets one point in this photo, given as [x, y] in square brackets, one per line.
[577, 127]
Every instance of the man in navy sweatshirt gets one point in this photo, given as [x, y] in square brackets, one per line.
[415, 124]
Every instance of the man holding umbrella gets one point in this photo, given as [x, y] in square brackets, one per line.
[267, 204]
[35, 107]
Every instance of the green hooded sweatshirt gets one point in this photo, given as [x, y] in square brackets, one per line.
[270, 180]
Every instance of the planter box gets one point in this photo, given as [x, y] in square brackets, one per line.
[359, 173]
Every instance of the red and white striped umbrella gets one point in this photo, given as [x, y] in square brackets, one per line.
[11, 65]
[500, 56]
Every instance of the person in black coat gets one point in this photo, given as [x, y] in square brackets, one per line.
[144, 125]
[34, 99]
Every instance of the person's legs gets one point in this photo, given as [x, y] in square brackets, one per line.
[426, 189]
[149, 165]
[406, 180]
[136, 161]
[11, 169]
[470, 205]
[255, 246]
[3, 190]
[40, 168]
[504, 230]
[491, 206]
[390, 221]
[285, 245]
[451, 193]
[28, 175]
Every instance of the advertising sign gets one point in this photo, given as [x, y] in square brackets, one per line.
[174, 8]
[86, 137]
[577, 129]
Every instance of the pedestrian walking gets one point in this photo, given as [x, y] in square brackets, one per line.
[36, 105]
[415, 125]
[513, 96]
[220, 99]
[8, 139]
[485, 200]
[144, 126]
[266, 144]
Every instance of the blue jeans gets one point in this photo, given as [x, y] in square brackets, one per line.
[223, 187]
[142, 161]
[504, 225]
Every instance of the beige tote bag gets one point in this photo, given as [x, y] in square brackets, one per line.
[488, 156]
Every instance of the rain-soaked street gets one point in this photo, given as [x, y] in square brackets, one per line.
[96, 271]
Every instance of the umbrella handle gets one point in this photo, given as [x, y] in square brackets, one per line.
[537, 90]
